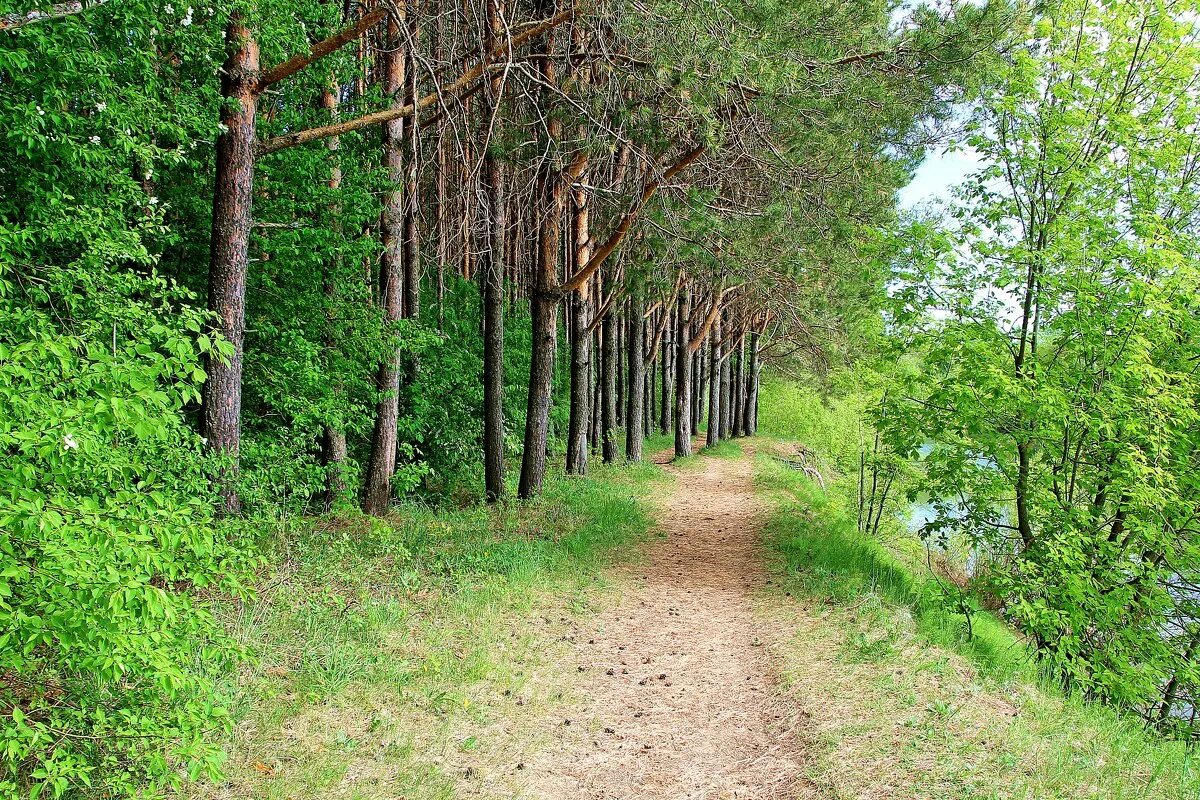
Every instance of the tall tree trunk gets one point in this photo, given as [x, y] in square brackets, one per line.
[739, 387]
[751, 400]
[608, 371]
[381, 466]
[595, 384]
[727, 395]
[412, 209]
[648, 383]
[493, 268]
[543, 295]
[232, 202]
[581, 390]
[635, 385]
[683, 378]
[666, 416]
[333, 437]
[697, 391]
[713, 434]
[581, 340]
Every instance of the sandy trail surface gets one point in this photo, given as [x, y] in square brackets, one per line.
[679, 688]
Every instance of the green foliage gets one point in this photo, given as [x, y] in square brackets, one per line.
[106, 541]
[820, 543]
[1055, 411]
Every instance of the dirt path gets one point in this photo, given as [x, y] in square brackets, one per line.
[680, 697]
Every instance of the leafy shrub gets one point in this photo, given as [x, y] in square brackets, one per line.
[106, 541]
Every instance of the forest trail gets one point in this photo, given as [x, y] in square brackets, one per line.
[680, 692]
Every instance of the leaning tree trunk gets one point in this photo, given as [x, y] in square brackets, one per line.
[635, 385]
[381, 466]
[713, 434]
[229, 253]
[492, 269]
[683, 379]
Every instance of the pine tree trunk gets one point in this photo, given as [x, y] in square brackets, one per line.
[412, 209]
[727, 395]
[666, 417]
[714, 389]
[229, 254]
[596, 381]
[635, 386]
[381, 466]
[608, 394]
[738, 380]
[543, 297]
[333, 437]
[581, 341]
[492, 253]
[648, 383]
[683, 379]
[751, 401]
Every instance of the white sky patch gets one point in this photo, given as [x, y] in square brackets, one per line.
[937, 176]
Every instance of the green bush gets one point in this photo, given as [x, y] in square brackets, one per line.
[107, 542]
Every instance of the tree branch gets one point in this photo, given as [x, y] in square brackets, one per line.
[10, 22]
[459, 86]
[319, 50]
[614, 240]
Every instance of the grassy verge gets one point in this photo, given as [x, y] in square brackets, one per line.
[393, 657]
[907, 704]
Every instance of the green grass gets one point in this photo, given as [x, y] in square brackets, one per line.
[830, 558]
[909, 701]
[384, 649]
[725, 448]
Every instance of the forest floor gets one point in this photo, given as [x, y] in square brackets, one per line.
[681, 695]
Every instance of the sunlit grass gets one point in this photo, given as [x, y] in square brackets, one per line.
[384, 649]
[912, 702]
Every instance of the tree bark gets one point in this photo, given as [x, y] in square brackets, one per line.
[739, 387]
[492, 271]
[229, 254]
[727, 395]
[713, 434]
[381, 466]
[543, 296]
[751, 400]
[635, 384]
[411, 146]
[683, 378]
[666, 417]
[608, 394]
[334, 450]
